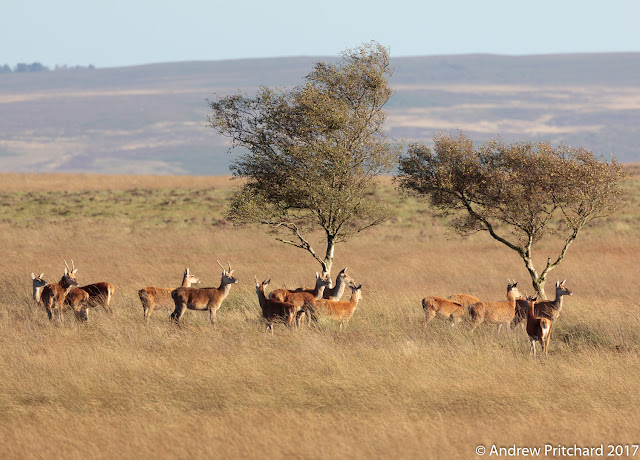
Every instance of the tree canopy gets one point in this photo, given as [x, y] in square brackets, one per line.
[314, 152]
[518, 193]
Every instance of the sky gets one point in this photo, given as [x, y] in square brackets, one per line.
[117, 33]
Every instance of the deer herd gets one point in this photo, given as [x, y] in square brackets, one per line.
[297, 307]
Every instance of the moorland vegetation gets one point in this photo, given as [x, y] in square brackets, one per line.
[385, 384]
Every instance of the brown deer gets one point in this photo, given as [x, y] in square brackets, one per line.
[203, 299]
[549, 309]
[53, 296]
[538, 328]
[99, 293]
[495, 312]
[463, 299]
[274, 310]
[151, 296]
[74, 298]
[340, 310]
[433, 306]
[303, 299]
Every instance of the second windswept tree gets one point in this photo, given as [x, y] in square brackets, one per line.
[314, 152]
[517, 193]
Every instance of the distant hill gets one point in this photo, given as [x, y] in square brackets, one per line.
[151, 119]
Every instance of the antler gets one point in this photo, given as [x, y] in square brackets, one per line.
[65, 264]
[223, 269]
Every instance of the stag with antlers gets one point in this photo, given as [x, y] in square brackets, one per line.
[203, 299]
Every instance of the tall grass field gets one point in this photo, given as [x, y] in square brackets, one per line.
[385, 386]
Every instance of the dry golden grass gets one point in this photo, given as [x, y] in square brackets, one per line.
[385, 386]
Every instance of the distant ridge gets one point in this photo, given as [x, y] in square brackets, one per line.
[150, 119]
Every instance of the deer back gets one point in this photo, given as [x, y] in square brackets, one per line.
[152, 295]
[440, 305]
[464, 299]
[340, 309]
[76, 298]
[198, 297]
[99, 293]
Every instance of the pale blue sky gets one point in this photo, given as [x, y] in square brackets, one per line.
[113, 33]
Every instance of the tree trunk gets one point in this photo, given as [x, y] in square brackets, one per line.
[327, 263]
[537, 281]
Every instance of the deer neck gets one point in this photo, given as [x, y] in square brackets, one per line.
[37, 292]
[511, 298]
[557, 303]
[318, 292]
[64, 284]
[224, 289]
[186, 282]
[340, 287]
[262, 298]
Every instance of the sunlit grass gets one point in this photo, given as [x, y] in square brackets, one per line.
[384, 386]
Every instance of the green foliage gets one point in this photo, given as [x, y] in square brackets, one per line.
[518, 193]
[314, 151]
[148, 208]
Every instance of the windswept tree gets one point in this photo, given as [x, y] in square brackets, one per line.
[517, 193]
[314, 152]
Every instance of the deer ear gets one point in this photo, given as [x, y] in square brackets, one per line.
[74, 272]
[41, 274]
[33, 276]
[564, 281]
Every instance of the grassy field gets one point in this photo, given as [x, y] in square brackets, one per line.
[384, 386]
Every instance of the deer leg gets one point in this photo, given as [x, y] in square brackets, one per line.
[429, 315]
[178, 312]
[545, 347]
[49, 311]
[148, 309]
[212, 316]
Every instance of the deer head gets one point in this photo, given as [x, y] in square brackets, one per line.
[227, 276]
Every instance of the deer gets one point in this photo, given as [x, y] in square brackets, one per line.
[74, 298]
[56, 296]
[335, 293]
[152, 296]
[463, 299]
[549, 309]
[340, 310]
[433, 306]
[495, 312]
[303, 299]
[538, 328]
[274, 310]
[38, 283]
[99, 293]
[203, 299]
